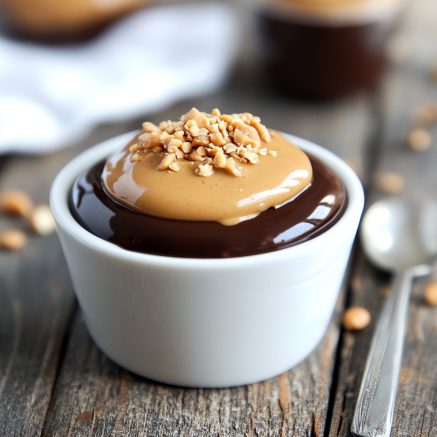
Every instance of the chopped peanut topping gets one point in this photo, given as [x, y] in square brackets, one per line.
[220, 141]
[175, 166]
[204, 170]
[165, 163]
[220, 160]
[149, 127]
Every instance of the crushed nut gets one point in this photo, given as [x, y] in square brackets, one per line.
[391, 183]
[204, 170]
[220, 160]
[426, 113]
[262, 130]
[431, 293]
[201, 140]
[272, 152]
[230, 148]
[165, 163]
[186, 147]
[250, 157]
[356, 318]
[136, 158]
[419, 140]
[16, 202]
[218, 140]
[150, 127]
[194, 156]
[134, 148]
[179, 154]
[174, 166]
[13, 239]
[201, 151]
[231, 167]
[41, 220]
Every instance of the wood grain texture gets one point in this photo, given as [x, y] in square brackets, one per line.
[407, 86]
[36, 301]
[94, 397]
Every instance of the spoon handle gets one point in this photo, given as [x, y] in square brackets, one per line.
[375, 406]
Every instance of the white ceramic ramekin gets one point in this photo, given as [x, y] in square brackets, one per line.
[206, 322]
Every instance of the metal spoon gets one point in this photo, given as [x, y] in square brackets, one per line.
[401, 236]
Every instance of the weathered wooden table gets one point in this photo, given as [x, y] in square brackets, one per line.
[55, 382]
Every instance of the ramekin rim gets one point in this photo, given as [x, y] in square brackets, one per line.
[64, 180]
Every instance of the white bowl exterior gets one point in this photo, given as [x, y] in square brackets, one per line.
[206, 322]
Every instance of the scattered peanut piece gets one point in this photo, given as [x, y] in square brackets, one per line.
[391, 182]
[41, 220]
[13, 239]
[16, 202]
[426, 113]
[419, 140]
[431, 293]
[356, 318]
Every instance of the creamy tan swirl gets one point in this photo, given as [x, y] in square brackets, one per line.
[222, 198]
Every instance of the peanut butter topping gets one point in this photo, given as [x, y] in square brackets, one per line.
[163, 183]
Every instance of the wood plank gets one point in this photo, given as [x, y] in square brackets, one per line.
[407, 86]
[36, 300]
[94, 397]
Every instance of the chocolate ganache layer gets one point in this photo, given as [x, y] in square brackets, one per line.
[310, 214]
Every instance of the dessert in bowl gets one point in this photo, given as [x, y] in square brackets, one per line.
[66, 20]
[325, 48]
[216, 317]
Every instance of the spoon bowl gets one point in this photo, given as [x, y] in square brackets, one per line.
[399, 235]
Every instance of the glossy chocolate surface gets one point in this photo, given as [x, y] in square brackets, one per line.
[313, 212]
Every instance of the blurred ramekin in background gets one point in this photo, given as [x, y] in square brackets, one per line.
[64, 20]
[324, 49]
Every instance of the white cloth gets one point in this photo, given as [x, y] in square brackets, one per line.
[53, 96]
